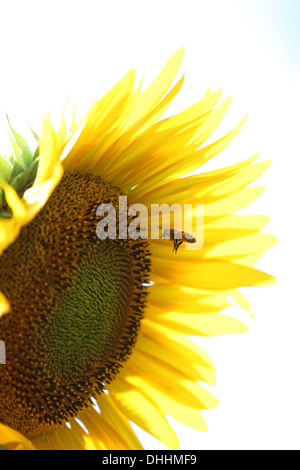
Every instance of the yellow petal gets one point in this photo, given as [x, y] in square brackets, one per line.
[101, 125]
[113, 415]
[164, 377]
[102, 435]
[189, 416]
[231, 204]
[212, 275]
[14, 202]
[158, 88]
[175, 298]
[165, 348]
[213, 324]
[13, 440]
[143, 411]
[4, 305]
[49, 153]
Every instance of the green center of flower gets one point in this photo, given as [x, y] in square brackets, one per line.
[76, 305]
[87, 319]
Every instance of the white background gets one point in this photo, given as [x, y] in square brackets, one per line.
[50, 50]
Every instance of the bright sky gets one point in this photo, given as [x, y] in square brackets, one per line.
[54, 49]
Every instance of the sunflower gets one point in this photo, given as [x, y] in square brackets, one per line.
[97, 331]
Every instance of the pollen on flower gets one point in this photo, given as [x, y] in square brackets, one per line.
[76, 305]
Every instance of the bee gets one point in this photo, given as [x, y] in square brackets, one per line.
[178, 238]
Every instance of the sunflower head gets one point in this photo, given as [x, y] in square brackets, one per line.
[104, 322]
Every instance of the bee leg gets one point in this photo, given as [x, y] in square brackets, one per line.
[177, 244]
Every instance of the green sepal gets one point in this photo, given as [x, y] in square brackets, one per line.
[17, 168]
[22, 179]
[5, 169]
[36, 153]
[21, 147]
[33, 133]
[2, 199]
[19, 163]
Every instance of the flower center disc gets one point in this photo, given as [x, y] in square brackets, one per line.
[76, 305]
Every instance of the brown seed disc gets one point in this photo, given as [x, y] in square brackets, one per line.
[76, 305]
